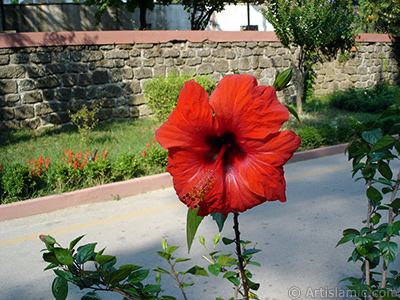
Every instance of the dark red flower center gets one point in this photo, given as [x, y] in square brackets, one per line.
[224, 147]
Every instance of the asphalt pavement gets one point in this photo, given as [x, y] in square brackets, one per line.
[298, 260]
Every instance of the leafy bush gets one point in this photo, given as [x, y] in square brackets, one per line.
[162, 93]
[127, 166]
[85, 119]
[310, 138]
[98, 171]
[17, 181]
[374, 100]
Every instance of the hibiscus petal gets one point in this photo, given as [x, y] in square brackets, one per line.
[190, 122]
[248, 110]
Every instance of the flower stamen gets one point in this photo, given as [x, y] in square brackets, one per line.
[197, 194]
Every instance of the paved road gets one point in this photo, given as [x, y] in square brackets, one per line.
[297, 238]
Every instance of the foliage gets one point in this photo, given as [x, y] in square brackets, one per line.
[85, 119]
[373, 153]
[96, 271]
[316, 29]
[162, 93]
[128, 166]
[310, 138]
[201, 11]
[17, 180]
[131, 6]
[374, 100]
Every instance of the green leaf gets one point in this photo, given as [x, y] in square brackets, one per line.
[214, 269]
[388, 251]
[85, 253]
[223, 259]
[219, 219]
[393, 229]
[395, 204]
[390, 111]
[164, 255]
[172, 249]
[229, 274]
[50, 258]
[234, 280]
[384, 169]
[63, 256]
[373, 194]
[376, 218]
[372, 136]
[384, 143]
[192, 224]
[102, 259]
[75, 241]
[227, 241]
[118, 275]
[60, 288]
[64, 274]
[91, 296]
[196, 270]
[293, 112]
[250, 251]
[152, 288]
[138, 276]
[282, 79]
[363, 244]
[345, 239]
[182, 259]
[350, 231]
[161, 270]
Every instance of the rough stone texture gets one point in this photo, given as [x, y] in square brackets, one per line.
[39, 85]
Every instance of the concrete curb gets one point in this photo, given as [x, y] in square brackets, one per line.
[120, 189]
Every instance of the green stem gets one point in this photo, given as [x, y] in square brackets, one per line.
[240, 258]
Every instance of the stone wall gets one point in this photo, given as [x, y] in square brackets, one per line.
[39, 84]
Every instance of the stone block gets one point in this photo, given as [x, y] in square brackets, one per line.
[113, 91]
[264, 63]
[6, 113]
[195, 45]
[137, 99]
[57, 118]
[188, 53]
[134, 53]
[95, 92]
[144, 46]
[76, 56]
[19, 58]
[134, 111]
[84, 80]
[222, 66]
[104, 114]
[49, 82]
[246, 52]
[48, 94]
[46, 108]
[26, 85]
[63, 94]
[229, 54]
[24, 112]
[244, 64]
[55, 68]
[8, 87]
[31, 123]
[113, 54]
[121, 113]
[10, 125]
[149, 62]
[91, 56]
[193, 61]
[206, 52]
[2, 102]
[115, 75]
[79, 93]
[100, 77]
[127, 73]
[77, 68]
[69, 80]
[4, 59]
[40, 58]
[205, 69]
[32, 97]
[152, 53]
[220, 53]
[134, 62]
[12, 71]
[105, 63]
[132, 87]
[61, 57]
[143, 73]
[170, 53]
[12, 99]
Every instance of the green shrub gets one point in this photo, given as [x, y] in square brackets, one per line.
[162, 93]
[374, 100]
[310, 138]
[17, 182]
[157, 157]
[127, 166]
[97, 172]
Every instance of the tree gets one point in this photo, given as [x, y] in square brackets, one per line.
[201, 11]
[312, 30]
[131, 5]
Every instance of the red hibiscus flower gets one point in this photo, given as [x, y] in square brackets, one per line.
[226, 153]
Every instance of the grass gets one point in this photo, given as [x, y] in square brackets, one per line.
[116, 137]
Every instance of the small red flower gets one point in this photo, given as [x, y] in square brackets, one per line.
[226, 153]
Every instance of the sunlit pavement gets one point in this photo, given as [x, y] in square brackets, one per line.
[299, 259]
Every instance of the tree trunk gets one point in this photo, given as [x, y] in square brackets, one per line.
[143, 9]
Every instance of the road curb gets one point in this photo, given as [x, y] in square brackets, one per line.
[120, 189]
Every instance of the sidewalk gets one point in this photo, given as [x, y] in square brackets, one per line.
[297, 238]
